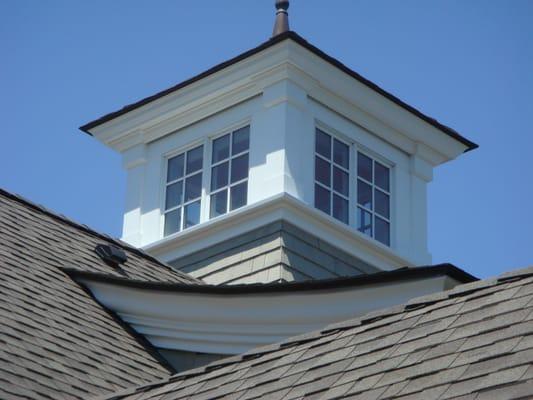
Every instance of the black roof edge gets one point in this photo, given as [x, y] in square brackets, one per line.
[279, 38]
[67, 221]
[324, 284]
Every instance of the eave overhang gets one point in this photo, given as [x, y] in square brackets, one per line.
[102, 122]
[234, 319]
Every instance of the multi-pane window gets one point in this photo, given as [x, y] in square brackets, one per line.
[183, 190]
[332, 171]
[373, 198]
[229, 172]
[332, 187]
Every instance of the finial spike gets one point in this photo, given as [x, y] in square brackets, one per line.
[282, 17]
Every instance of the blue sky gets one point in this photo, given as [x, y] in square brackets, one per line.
[467, 63]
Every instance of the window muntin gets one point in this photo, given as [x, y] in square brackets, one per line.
[183, 191]
[332, 176]
[372, 187]
[229, 172]
[373, 198]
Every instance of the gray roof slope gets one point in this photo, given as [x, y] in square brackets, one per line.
[56, 341]
[472, 342]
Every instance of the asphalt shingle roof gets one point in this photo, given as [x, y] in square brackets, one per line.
[56, 341]
[472, 342]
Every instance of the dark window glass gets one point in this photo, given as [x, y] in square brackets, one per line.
[364, 194]
[322, 171]
[381, 176]
[239, 194]
[364, 221]
[340, 208]
[219, 203]
[193, 187]
[219, 175]
[174, 195]
[323, 144]
[364, 167]
[382, 231]
[341, 154]
[172, 222]
[192, 214]
[194, 159]
[382, 203]
[239, 168]
[175, 168]
[241, 140]
[340, 181]
[322, 199]
[220, 148]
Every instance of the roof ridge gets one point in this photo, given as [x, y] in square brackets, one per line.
[373, 317]
[83, 227]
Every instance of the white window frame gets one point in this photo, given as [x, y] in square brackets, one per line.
[165, 184]
[229, 159]
[354, 149]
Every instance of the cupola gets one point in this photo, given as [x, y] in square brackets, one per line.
[280, 164]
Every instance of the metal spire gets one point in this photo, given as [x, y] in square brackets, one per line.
[282, 17]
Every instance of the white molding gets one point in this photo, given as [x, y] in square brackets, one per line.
[279, 207]
[235, 323]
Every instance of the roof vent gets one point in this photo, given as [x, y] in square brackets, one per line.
[111, 254]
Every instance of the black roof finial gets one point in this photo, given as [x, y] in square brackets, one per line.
[282, 17]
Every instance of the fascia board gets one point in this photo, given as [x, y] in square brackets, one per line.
[364, 98]
[234, 323]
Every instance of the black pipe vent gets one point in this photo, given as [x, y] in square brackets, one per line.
[111, 254]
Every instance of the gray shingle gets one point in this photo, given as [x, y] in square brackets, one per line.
[56, 341]
[470, 343]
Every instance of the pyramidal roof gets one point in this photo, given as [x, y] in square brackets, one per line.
[283, 36]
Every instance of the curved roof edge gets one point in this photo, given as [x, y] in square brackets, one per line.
[323, 284]
[277, 39]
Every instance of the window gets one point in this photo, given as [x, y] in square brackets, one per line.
[332, 164]
[183, 190]
[229, 172]
[332, 187]
[373, 198]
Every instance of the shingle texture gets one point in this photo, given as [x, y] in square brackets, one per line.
[472, 342]
[56, 341]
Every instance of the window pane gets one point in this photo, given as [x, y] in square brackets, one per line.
[341, 154]
[239, 168]
[241, 140]
[239, 194]
[382, 203]
[364, 194]
[323, 144]
[340, 208]
[340, 181]
[219, 176]
[172, 222]
[381, 176]
[174, 195]
[382, 231]
[219, 204]
[192, 214]
[364, 167]
[194, 159]
[322, 199]
[220, 148]
[322, 171]
[193, 187]
[175, 168]
[364, 221]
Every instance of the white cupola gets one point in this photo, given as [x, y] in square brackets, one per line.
[279, 164]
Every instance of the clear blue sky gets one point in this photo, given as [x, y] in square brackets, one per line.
[467, 63]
